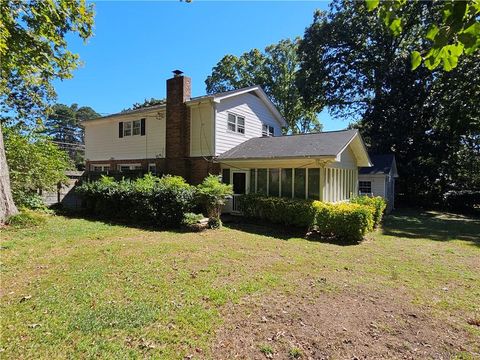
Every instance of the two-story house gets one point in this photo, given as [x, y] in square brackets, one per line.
[237, 134]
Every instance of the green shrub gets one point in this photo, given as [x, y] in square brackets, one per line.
[148, 200]
[299, 213]
[213, 194]
[345, 221]
[377, 203]
[191, 218]
[26, 218]
[29, 200]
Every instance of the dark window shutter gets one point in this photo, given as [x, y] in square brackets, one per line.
[120, 129]
[142, 127]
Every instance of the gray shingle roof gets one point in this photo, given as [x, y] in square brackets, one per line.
[291, 146]
[382, 164]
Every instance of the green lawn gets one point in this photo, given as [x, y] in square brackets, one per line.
[80, 288]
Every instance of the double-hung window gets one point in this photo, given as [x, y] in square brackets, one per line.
[236, 123]
[268, 130]
[127, 128]
[136, 127]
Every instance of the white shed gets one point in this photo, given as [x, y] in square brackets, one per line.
[379, 180]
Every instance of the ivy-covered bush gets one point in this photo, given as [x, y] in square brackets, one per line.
[299, 213]
[376, 202]
[149, 200]
[344, 221]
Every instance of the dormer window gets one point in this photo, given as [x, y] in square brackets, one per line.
[236, 123]
[268, 130]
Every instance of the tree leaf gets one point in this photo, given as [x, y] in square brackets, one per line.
[416, 59]
[372, 4]
[396, 26]
[432, 32]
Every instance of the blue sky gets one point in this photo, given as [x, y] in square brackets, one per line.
[137, 44]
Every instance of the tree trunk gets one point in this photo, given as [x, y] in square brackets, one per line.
[7, 206]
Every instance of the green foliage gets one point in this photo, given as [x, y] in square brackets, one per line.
[266, 350]
[275, 69]
[213, 194]
[295, 353]
[430, 119]
[455, 30]
[35, 163]
[377, 203]
[463, 201]
[345, 221]
[298, 213]
[26, 218]
[149, 200]
[33, 49]
[192, 218]
[29, 200]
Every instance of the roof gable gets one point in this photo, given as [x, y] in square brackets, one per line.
[382, 164]
[255, 90]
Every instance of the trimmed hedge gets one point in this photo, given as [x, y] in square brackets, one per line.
[149, 200]
[464, 201]
[344, 221]
[299, 213]
[377, 203]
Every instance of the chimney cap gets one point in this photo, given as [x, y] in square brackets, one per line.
[177, 73]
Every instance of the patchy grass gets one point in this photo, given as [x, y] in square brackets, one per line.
[81, 288]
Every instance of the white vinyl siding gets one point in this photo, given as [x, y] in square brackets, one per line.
[102, 141]
[255, 113]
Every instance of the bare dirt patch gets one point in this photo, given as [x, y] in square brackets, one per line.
[347, 325]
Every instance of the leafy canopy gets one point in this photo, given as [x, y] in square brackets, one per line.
[455, 31]
[275, 69]
[33, 49]
[35, 162]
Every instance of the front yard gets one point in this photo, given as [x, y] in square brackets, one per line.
[80, 288]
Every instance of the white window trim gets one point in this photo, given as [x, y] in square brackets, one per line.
[236, 124]
[131, 124]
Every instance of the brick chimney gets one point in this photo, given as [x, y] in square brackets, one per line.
[177, 125]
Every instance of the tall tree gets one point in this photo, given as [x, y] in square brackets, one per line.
[63, 127]
[33, 52]
[353, 63]
[146, 103]
[276, 71]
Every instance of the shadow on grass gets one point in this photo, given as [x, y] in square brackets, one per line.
[438, 226]
[277, 231]
[117, 222]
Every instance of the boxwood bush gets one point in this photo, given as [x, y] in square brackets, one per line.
[344, 221]
[299, 213]
[377, 203]
[149, 200]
